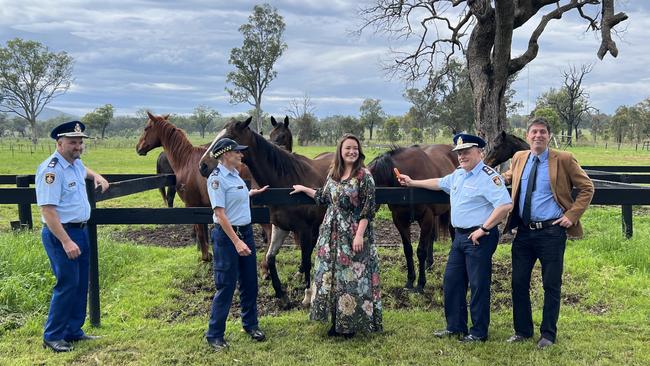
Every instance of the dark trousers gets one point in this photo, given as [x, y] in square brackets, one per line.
[469, 264]
[229, 268]
[548, 246]
[70, 294]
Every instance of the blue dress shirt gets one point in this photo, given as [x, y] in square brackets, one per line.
[542, 204]
[226, 189]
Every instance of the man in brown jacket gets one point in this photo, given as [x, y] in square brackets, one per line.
[544, 213]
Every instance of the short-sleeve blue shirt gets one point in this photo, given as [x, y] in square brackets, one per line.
[474, 194]
[63, 185]
[226, 189]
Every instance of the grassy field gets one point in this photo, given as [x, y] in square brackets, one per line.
[155, 300]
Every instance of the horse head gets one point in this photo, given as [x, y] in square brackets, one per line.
[150, 138]
[505, 146]
[281, 134]
[236, 130]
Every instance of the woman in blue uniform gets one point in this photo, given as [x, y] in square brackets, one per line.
[233, 244]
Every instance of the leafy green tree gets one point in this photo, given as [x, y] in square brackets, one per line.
[100, 118]
[263, 45]
[333, 127]
[30, 78]
[416, 135]
[621, 121]
[391, 129]
[372, 114]
[204, 116]
[307, 129]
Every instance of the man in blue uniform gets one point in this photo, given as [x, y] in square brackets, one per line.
[479, 201]
[61, 195]
[233, 244]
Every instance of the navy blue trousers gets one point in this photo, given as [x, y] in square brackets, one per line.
[70, 295]
[548, 246]
[230, 268]
[469, 264]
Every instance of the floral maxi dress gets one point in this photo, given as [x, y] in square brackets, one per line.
[346, 283]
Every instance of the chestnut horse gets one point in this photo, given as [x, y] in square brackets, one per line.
[278, 168]
[183, 158]
[424, 162]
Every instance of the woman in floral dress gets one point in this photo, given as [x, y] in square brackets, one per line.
[346, 283]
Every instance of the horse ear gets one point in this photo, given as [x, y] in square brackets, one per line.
[166, 116]
[286, 121]
[151, 116]
[273, 121]
[248, 121]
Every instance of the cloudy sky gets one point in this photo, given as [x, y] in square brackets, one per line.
[170, 56]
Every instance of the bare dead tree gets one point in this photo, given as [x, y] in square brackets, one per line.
[441, 27]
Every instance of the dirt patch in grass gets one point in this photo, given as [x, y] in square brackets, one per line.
[195, 293]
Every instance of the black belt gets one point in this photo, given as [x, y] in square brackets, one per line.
[538, 225]
[467, 230]
[72, 225]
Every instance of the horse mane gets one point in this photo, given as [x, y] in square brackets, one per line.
[179, 148]
[286, 164]
[382, 167]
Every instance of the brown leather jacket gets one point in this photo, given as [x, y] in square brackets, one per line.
[565, 174]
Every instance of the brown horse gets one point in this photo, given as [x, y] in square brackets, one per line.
[183, 158]
[505, 147]
[281, 134]
[278, 168]
[163, 167]
[424, 162]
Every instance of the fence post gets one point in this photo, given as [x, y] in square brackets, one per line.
[626, 212]
[24, 209]
[93, 278]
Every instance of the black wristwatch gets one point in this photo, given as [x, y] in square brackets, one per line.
[487, 231]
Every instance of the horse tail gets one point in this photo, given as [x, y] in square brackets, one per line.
[381, 169]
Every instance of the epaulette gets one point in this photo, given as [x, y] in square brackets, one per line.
[216, 171]
[53, 162]
[489, 171]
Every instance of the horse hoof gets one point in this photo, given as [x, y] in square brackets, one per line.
[418, 289]
[297, 276]
[265, 276]
[284, 303]
[409, 285]
[207, 258]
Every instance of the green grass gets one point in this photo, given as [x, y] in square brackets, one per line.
[155, 305]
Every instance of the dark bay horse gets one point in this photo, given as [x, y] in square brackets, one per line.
[281, 134]
[278, 168]
[183, 158]
[505, 147]
[419, 162]
[163, 167]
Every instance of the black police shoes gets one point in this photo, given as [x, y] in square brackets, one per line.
[448, 334]
[218, 344]
[256, 334]
[58, 346]
[516, 338]
[472, 339]
[85, 337]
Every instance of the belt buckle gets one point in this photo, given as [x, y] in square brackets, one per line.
[535, 225]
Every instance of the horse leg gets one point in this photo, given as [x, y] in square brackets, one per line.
[296, 241]
[277, 238]
[425, 246]
[403, 227]
[266, 234]
[163, 194]
[201, 231]
[306, 247]
[171, 193]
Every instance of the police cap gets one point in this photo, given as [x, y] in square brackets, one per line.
[69, 129]
[465, 141]
[225, 144]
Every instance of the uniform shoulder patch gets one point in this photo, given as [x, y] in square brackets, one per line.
[49, 178]
[488, 170]
[497, 180]
[215, 184]
[53, 162]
